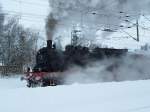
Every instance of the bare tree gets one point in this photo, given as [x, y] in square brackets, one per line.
[1, 32]
[18, 43]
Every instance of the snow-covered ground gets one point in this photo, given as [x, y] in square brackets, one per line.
[127, 96]
[11, 83]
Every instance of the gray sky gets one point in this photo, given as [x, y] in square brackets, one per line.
[32, 13]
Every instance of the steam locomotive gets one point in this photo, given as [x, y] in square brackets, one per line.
[52, 63]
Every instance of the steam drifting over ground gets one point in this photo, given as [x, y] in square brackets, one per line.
[131, 67]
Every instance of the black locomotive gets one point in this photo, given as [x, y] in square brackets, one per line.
[50, 62]
[49, 59]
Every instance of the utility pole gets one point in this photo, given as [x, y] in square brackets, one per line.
[137, 29]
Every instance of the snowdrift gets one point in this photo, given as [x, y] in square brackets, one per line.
[128, 96]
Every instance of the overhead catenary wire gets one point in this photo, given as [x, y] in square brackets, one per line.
[33, 20]
[144, 28]
[128, 34]
[146, 17]
[24, 18]
[25, 13]
[31, 3]
[27, 16]
[133, 24]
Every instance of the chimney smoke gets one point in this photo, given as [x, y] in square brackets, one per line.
[70, 12]
[50, 26]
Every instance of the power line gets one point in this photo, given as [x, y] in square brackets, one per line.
[41, 16]
[139, 26]
[26, 16]
[146, 18]
[35, 20]
[23, 16]
[30, 3]
[128, 34]
[29, 14]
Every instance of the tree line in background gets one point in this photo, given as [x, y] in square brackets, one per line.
[18, 45]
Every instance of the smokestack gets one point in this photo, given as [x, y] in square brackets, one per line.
[49, 43]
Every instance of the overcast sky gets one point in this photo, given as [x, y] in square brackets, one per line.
[32, 13]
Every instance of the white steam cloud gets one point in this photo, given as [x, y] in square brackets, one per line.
[131, 67]
[94, 13]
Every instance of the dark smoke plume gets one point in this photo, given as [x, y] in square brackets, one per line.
[51, 26]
